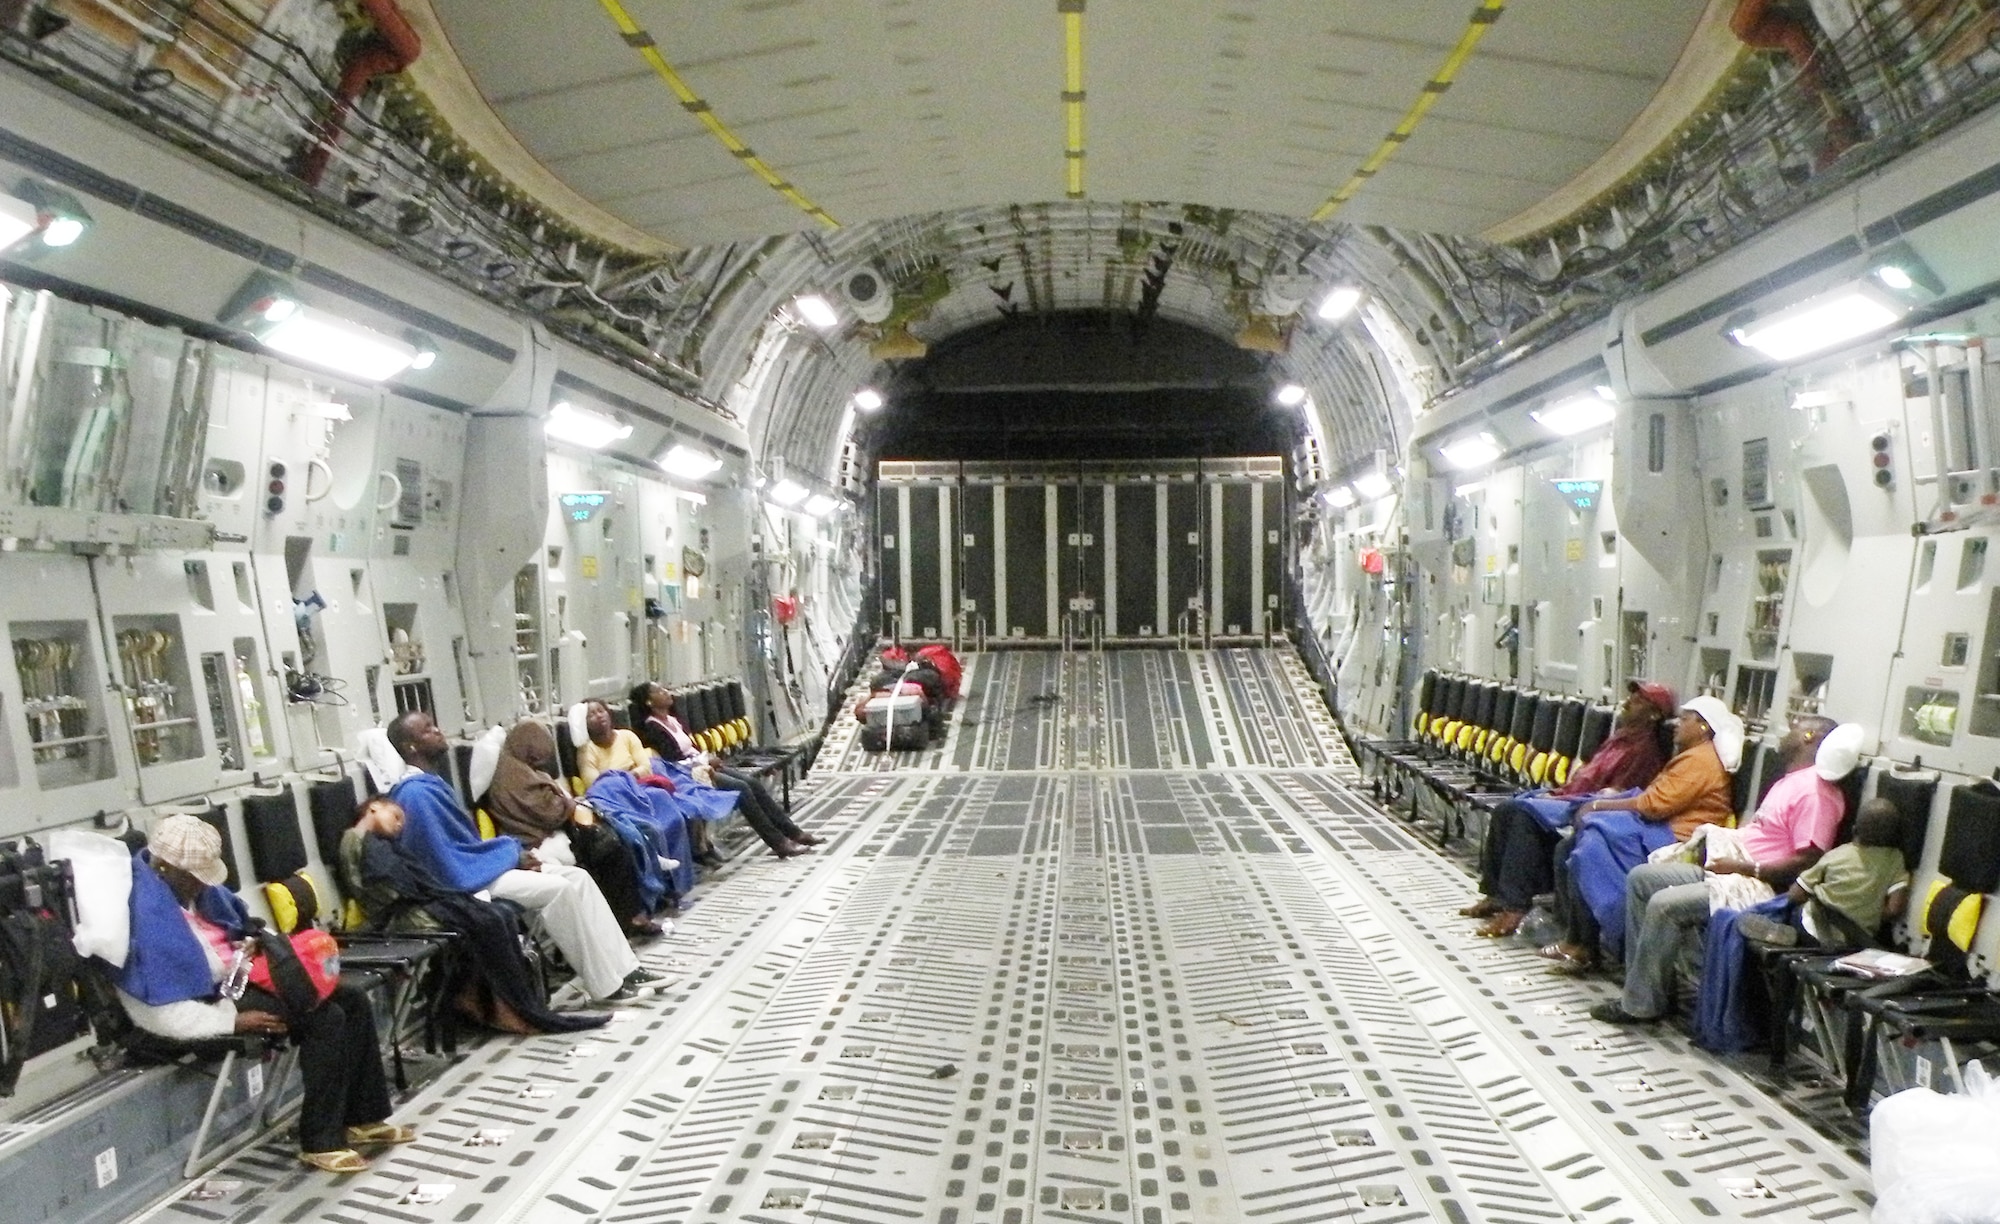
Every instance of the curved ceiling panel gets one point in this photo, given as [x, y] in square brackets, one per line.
[874, 111]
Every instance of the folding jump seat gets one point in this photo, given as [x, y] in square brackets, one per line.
[1542, 742]
[1520, 736]
[1492, 746]
[1951, 1003]
[1597, 721]
[297, 900]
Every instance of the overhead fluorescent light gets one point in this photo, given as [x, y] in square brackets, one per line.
[1474, 452]
[332, 343]
[689, 495]
[868, 399]
[1372, 485]
[1896, 278]
[688, 463]
[819, 505]
[816, 311]
[787, 493]
[582, 427]
[1338, 304]
[427, 350]
[1291, 395]
[1340, 497]
[1818, 324]
[1574, 415]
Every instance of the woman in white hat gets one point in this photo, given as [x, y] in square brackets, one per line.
[1615, 835]
[186, 929]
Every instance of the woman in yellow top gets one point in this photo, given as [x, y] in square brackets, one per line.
[1614, 835]
[609, 746]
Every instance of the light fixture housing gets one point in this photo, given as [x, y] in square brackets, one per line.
[1372, 485]
[819, 505]
[1291, 395]
[817, 311]
[1340, 497]
[59, 216]
[1472, 452]
[332, 343]
[1338, 303]
[1575, 414]
[688, 463]
[787, 493]
[1818, 323]
[868, 399]
[427, 350]
[17, 220]
[584, 427]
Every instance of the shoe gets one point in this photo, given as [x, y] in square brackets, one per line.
[1572, 966]
[643, 976]
[648, 930]
[381, 1132]
[343, 1160]
[810, 839]
[1485, 907]
[789, 849]
[1615, 1013]
[1768, 930]
[624, 994]
[710, 858]
[1502, 924]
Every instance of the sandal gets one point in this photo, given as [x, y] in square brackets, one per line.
[1502, 924]
[344, 1160]
[380, 1132]
[1485, 907]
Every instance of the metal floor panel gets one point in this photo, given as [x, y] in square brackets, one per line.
[1145, 953]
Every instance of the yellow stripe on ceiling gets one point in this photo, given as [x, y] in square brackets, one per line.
[639, 40]
[1072, 15]
[1483, 18]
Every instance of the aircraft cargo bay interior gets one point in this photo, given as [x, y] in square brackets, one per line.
[822, 610]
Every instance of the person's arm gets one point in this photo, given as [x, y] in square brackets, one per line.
[1779, 874]
[1898, 899]
[587, 767]
[188, 1020]
[1675, 790]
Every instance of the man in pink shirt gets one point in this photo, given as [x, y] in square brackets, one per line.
[1797, 823]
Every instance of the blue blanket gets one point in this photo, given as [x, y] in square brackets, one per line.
[166, 962]
[697, 801]
[1554, 812]
[1608, 847]
[444, 839]
[1722, 1023]
[651, 822]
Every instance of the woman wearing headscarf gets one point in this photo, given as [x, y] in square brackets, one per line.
[490, 982]
[526, 803]
[1614, 835]
[653, 714]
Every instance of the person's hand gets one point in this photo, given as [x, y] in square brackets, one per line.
[582, 816]
[1586, 808]
[1732, 866]
[529, 862]
[262, 1023]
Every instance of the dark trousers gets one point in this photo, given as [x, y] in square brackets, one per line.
[766, 815]
[340, 1062]
[602, 853]
[1516, 864]
[1579, 925]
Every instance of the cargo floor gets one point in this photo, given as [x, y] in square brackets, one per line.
[1131, 945]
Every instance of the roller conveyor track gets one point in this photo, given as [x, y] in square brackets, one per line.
[1076, 964]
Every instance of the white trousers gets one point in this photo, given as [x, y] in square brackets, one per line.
[576, 917]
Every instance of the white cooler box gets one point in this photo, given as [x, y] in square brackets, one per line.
[905, 713]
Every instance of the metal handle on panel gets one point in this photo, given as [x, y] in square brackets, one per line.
[396, 482]
[322, 466]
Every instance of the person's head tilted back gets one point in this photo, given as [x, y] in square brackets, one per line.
[416, 738]
[1878, 823]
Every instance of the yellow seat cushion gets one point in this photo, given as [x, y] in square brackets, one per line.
[294, 902]
[484, 819]
[1538, 769]
[1559, 771]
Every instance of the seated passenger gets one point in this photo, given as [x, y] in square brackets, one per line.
[531, 806]
[1796, 824]
[491, 983]
[1843, 899]
[440, 833]
[1514, 863]
[609, 746]
[186, 933]
[1615, 835]
[653, 712]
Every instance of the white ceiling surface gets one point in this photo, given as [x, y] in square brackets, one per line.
[883, 108]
